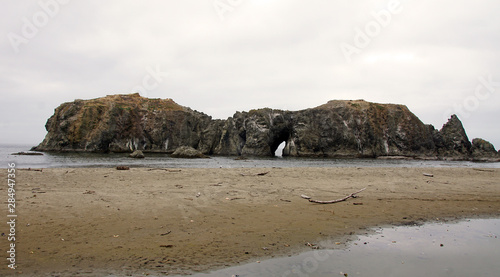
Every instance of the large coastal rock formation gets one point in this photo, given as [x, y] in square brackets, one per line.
[124, 123]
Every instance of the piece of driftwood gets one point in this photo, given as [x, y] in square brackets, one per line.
[166, 169]
[428, 174]
[486, 170]
[122, 167]
[353, 195]
[31, 169]
[216, 185]
[256, 174]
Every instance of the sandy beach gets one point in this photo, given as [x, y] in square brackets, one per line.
[95, 221]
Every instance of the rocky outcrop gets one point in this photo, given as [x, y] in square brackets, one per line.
[27, 154]
[137, 154]
[188, 152]
[359, 129]
[483, 150]
[336, 129]
[124, 123]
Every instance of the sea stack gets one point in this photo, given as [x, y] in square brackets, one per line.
[339, 128]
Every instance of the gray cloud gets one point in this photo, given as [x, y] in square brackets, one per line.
[265, 53]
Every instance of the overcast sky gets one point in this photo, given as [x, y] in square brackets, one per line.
[222, 56]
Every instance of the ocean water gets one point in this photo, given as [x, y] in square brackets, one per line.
[467, 248]
[50, 160]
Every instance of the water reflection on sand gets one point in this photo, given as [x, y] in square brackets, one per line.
[466, 248]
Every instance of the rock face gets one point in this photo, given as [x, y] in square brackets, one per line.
[124, 123]
[336, 129]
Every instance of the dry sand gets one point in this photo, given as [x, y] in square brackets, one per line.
[87, 222]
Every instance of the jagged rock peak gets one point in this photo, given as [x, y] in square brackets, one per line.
[454, 138]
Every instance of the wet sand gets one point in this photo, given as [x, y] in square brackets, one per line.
[96, 221]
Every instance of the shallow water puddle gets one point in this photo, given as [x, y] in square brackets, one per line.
[466, 248]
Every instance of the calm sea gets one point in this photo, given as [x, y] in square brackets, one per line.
[165, 161]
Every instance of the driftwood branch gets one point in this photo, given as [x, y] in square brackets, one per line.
[486, 170]
[166, 169]
[216, 185]
[256, 174]
[31, 169]
[353, 195]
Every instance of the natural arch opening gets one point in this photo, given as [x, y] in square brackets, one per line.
[279, 150]
[279, 143]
